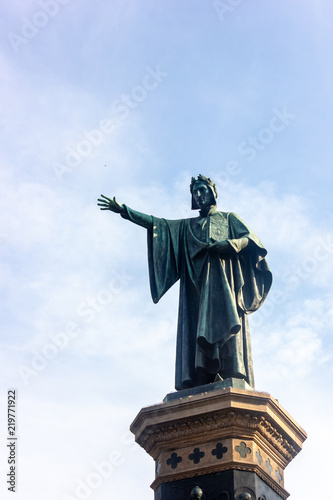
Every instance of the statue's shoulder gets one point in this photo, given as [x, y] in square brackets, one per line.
[234, 220]
[224, 216]
[232, 216]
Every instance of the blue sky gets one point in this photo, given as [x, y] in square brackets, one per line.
[132, 98]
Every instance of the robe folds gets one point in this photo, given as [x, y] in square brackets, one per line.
[217, 290]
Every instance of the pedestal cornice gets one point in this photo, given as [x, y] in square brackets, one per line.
[226, 429]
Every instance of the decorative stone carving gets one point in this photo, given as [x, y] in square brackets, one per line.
[245, 495]
[259, 457]
[196, 456]
[243, 450]
[219, 451]
[197, 493]
[174, 460]
[227, 429]
[268, 466]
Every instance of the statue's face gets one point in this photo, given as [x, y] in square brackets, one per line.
[202, 195]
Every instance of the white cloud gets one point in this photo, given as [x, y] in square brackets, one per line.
[60, 254]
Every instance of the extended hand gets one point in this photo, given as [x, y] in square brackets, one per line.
[108, 204]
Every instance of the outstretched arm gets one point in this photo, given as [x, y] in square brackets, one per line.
[108, 204]
[139, 218]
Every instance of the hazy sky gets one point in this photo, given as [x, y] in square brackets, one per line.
[131, 98]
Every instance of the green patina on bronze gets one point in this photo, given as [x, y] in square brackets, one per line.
[223, 277]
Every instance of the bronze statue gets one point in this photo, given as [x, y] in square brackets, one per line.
[223, 277]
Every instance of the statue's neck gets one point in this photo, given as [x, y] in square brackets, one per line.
[211, 209]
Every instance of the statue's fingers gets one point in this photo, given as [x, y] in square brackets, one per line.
[105, 197]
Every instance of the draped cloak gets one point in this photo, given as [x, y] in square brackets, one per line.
[217, 291]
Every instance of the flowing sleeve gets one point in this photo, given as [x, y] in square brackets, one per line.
[164, 255]
[253, 278]
[164, 249]
[138, 218]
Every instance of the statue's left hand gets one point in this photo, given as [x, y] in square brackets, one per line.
[221, 247]
[108, 204]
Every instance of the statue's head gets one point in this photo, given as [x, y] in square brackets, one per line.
[203, 191]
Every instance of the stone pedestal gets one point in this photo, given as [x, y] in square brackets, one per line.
[231, 443]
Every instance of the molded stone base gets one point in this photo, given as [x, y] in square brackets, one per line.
[224, 438]
[237, 383]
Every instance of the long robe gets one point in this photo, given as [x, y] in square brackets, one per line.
[217, 291]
